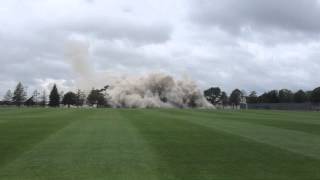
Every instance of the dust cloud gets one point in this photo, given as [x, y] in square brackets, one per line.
[145, 91]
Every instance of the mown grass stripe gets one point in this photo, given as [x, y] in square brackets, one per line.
[192, 151]
[246, 116]
[312, 118]
[21, 134]
[101, 146]
[291, 140]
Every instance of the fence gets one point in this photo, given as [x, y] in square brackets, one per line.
[286, 106]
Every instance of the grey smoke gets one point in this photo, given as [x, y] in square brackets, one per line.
[155, 90]
[77, 53]
[151, 90]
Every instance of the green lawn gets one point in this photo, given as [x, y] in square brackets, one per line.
[158, 144]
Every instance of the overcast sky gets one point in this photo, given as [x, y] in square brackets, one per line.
[253, 45]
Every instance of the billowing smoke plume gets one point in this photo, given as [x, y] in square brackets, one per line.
[155, 90]
[152, 90]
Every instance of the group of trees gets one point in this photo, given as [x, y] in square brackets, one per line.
[217, 97]
[99, 97]
[285, 96]
[96, 97]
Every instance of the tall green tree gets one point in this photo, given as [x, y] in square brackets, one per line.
[54, 97]
[235, 98]
[213, 95]
[273, 96]
[269, 97]
[300, 97]
[315, 95]
[19, 95]
[253, 97]
[97, 98]
[70, 98]
[285, 96]
[224, 99]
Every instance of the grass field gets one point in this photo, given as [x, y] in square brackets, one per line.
[158, 144]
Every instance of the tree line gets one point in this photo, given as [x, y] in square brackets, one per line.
[99, 97]
[217, 97]
[96, 97]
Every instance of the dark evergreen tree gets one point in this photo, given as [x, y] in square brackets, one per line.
[273, 96]
[54, 97]
[235, 97]
[69, 98]
[315, 95]
[19, 95]
[269, 97]
[300, 97]
[285, 96]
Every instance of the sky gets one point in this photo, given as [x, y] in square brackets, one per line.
[253, 45]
